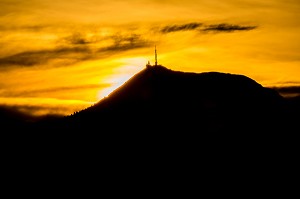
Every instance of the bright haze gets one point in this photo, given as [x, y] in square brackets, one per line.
[57, 57]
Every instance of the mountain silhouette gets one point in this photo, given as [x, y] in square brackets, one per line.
[158, 99]
[169, 123]
[165, 112]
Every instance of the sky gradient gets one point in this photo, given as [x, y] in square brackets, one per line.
[62, 56]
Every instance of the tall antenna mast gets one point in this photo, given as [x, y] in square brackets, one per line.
[155, 56]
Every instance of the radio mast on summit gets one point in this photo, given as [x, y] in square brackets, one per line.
[155, 56]
[148, 63]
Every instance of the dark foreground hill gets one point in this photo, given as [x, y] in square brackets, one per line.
[170, 124]
[162, 110]
[163, 101]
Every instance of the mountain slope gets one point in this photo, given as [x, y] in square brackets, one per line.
[160, 99]
[166, 123]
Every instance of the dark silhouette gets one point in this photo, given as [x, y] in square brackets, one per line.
[161, 100]
[170, 123]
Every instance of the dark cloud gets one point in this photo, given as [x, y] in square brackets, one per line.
[18, 114]
[223, 27]
[77, 39]
[76, 50]
[288, 91]
[126, 42]
[10, 115]
[34, 92]
[34, 28]
[21, 116]
[75, 87]
[182, 27]
[32, 58]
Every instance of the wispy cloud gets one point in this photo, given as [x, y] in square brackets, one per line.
[32, 58]
[34, 28]
[77, 39]
[196, 26]
[224, 27]
[182, 27]
[127, 42]
[25, 112]
[76, 48]
[48, 91]
[80, 46]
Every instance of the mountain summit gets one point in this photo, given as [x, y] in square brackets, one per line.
[159, 99]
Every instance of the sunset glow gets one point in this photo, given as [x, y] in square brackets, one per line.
[62, 56]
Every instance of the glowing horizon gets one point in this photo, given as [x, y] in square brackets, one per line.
[80, 51]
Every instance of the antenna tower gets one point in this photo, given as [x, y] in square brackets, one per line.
[155, 56]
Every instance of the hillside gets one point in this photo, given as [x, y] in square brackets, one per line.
[158, 99]
[161, 116]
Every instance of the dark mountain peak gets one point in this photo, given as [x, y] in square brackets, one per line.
[160, 76]
[175, 99]
[161, 83]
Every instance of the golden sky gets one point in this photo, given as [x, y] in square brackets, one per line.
[59, 56]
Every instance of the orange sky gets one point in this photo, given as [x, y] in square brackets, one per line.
[62, 56]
